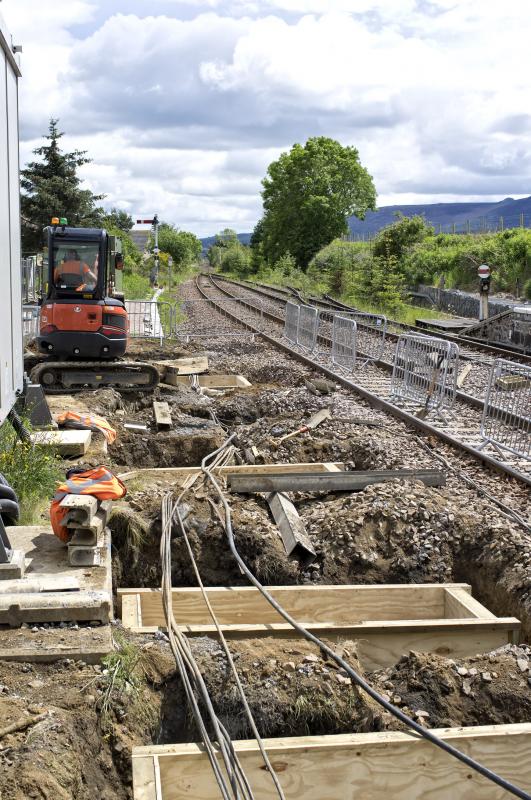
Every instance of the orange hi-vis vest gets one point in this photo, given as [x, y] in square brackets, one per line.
[98, 481]
[86, 422]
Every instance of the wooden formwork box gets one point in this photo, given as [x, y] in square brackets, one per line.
[358, 766]
[385, 620]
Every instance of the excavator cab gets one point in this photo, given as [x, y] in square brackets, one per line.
[82, 314]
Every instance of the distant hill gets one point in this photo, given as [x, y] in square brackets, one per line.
[443, 216]
[244, 238]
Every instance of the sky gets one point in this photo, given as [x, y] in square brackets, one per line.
[182, 104]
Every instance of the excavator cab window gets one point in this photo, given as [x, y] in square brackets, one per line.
[75, 266]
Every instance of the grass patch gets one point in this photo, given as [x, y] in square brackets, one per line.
[136, 287]
[33, 471]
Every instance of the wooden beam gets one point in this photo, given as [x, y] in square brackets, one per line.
[65, 442]
[292, 528]
[162, 415]
[459, 603]
[372, 766]
[211, 381]
[247, 469]
[329, 482]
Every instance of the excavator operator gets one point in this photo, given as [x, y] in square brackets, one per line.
[74, 273]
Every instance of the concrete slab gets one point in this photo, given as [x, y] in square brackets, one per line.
[59, 403]
[54, 644]
[47, 558]
[14, 568]
[67, 443]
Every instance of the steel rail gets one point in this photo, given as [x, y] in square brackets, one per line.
[329, 303]
[374, 400]
[468, 399]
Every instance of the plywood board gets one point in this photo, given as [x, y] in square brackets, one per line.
[372, 766]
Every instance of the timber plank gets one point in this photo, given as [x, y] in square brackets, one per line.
[372, 766]
[247, 469]
[308, 603]
[378, 617]
[459, 603]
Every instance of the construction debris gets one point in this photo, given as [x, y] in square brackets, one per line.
[330, 482]
[162, 415]
[291, 528]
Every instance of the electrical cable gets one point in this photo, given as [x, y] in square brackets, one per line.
[184, 659]
[356, 677]
[19, 427]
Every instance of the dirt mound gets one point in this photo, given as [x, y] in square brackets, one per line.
[76, 752]
[137, 555]
[291, 688]
[189, 441]
[395, 532]
[489, 689]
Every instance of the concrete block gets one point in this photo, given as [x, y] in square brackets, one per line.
[95, 525]
[15, 568]
[66, 443]
[83, 538]
[81, 508]
[84, 556]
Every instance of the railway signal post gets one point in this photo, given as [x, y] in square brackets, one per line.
[484, 288]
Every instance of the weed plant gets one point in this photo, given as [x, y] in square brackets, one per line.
[31, 469]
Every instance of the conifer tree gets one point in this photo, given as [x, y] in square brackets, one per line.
[51, 188]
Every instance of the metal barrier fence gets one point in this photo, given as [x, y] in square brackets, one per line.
[30, 322]
[307, 327]
[344, 335]
[425, 371]
[149, 319]
[506, 420]
[291, 322]
[372, 329]
[32, 279]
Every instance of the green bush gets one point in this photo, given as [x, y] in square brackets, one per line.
[527, 289]
[136, 287]
[32, 470]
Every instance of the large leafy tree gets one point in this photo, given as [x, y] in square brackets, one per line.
[308, 195]
[117, 219]
[184, 247]
[52, 187]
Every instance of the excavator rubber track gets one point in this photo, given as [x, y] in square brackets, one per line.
[60, 377]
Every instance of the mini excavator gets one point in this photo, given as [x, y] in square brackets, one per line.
[83, 318]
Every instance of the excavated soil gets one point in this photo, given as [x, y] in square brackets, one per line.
[399, 532]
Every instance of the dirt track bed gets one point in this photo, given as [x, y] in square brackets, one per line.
[397, 532]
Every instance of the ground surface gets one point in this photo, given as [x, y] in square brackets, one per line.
[397, 532]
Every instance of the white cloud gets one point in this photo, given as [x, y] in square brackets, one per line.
[185, 114]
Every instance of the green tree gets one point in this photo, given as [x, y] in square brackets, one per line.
[398, 238]
[184, 247]
[52, 187]
[308, 195]
[117, 219]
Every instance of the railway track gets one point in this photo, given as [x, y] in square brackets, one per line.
[461, 429]
[469, 347]
[477, 365]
